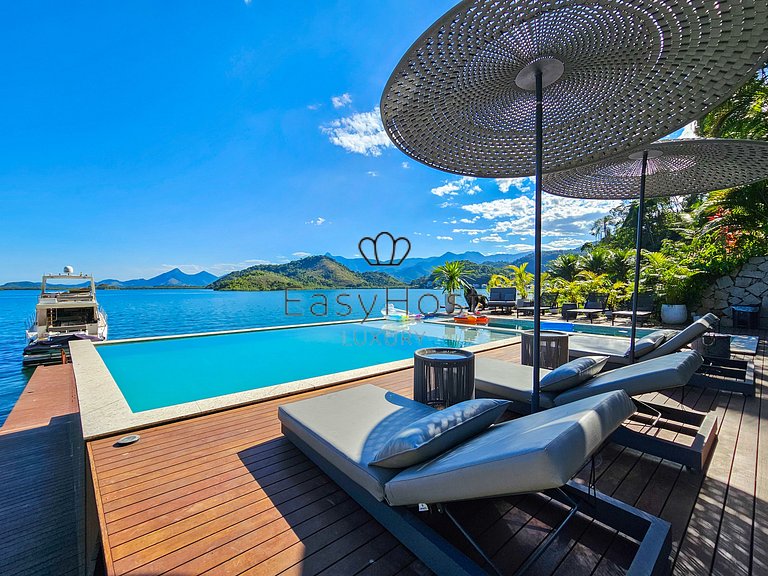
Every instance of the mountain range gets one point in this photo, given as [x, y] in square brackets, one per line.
[413, 268]
[172, 279]
[309, 272]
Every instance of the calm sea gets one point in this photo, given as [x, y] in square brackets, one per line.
[136, 313]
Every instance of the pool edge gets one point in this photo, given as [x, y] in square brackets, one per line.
[104, 410]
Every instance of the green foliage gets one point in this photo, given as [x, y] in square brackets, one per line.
[499, 281]
[668, 277]
[310, 272]
[450, 276]
[741, 116]
[565, 266]
[521, 279]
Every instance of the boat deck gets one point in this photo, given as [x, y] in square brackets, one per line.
[226, 493]
[41, 465]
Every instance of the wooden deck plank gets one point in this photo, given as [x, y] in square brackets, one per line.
[227, 494]
[41, 466]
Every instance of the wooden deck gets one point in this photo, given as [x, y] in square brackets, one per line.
[41, 467]
[227, 494]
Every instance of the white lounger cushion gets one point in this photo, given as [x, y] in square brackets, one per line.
[502, 379]
[669, 371]
[616, 347]
[533, 453]
[348, 428]
[530, 454]
[510, 381]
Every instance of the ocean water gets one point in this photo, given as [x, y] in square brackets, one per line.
[138, 313]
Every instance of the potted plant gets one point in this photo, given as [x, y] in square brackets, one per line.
[450, 277]
[671, 281]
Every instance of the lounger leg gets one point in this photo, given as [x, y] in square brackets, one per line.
[540, 549]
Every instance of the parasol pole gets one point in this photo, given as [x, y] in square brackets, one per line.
[537, 246]
[638, 247]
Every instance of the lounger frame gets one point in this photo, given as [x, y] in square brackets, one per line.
[739, 375]
[694, 456]
[653, 534]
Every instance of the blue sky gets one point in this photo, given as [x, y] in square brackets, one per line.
[139, 136]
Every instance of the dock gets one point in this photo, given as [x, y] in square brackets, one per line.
[42, 522]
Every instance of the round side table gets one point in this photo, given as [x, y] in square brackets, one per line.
[554, 348]
[443, 376]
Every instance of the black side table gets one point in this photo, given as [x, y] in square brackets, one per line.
[443, 376]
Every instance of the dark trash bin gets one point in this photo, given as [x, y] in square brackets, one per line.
[443, 376]
[746, 317]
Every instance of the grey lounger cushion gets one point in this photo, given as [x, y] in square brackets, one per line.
[615, 347]
[348, 429]
[437, 432]
[669, 371]
[530, 454]
[502, 379]
[572, 373]
[684, 337]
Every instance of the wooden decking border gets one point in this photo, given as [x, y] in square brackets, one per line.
[226, 493]
[42, 528]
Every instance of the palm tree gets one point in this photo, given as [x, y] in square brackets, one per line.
[744, 115]
[620, 262]
[596, 260]
[450, 277]
[737, 214]
[521, 279]
[565, 266]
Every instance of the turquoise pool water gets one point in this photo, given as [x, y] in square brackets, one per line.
[158, 373]
[523, 324]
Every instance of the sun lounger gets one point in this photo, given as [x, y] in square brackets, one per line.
[343, 432]
[502, 298]
[547, 305]
[594, 306]
[617, 348]
[501, 379]
[644, 309]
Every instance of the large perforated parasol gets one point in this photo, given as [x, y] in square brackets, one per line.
[674, 168]
[510, 88]
[667, 168]
[616, 74]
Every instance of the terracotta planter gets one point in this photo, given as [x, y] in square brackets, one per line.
[674, 313]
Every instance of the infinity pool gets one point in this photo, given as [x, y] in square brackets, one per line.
[165, 372]
[563, 326]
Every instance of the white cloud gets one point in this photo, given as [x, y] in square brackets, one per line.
[492, 238]
[469, 220]
[443, 237]
[313, 106]
[567, 219]
[447, 204]
[319, 221]
[465, 185]
[469, 231]
[689, 131]
[405, 165]
[301, 254]
[341, 100]
[372, 173]
[361, 133]
[524, 184]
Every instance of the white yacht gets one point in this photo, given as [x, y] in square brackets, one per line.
[66, 310]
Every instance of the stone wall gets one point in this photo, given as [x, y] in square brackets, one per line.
[747, 286]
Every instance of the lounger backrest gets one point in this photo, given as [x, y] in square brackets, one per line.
[669, 371]
[596, 301]
[529, 454]
[645, 302]
[503, 294]
[684, 337]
